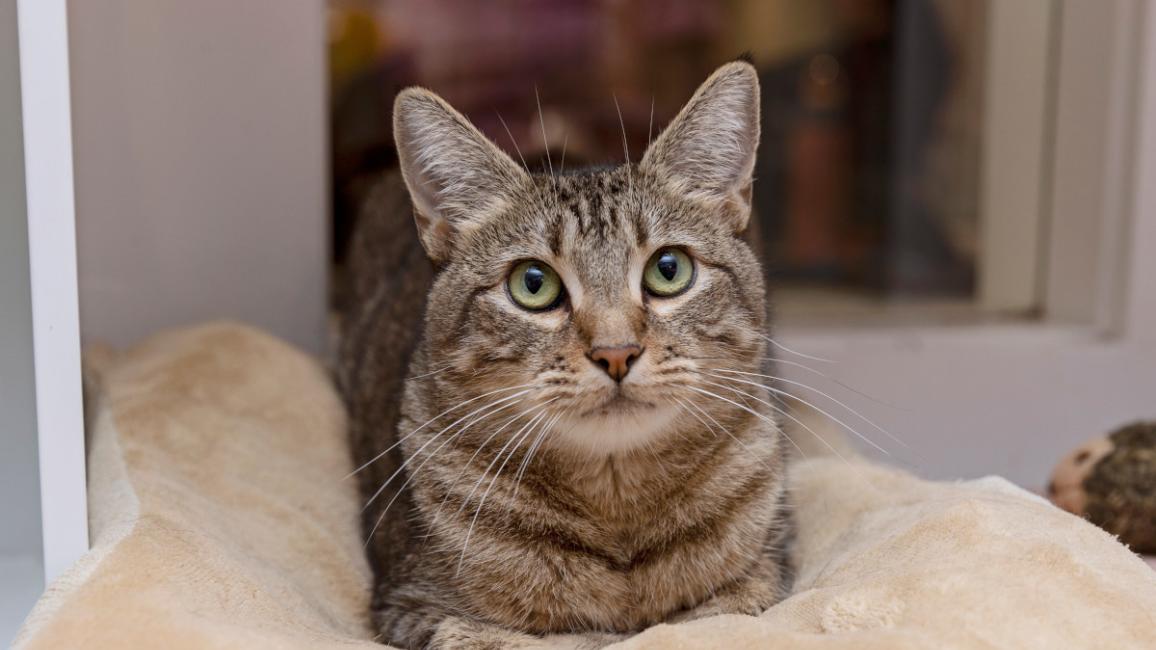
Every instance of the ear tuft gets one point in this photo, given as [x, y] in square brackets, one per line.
[708, 151]
[456, 177]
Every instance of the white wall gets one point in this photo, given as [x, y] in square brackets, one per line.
[200, 163]
[990, 399]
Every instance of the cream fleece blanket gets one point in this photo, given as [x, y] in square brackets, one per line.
[220, 520]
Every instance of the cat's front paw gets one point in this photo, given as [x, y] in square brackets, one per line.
[465, 634]
[458, 634]
[751, 599]
[584, 641]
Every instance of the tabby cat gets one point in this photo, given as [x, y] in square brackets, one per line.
[576, 450]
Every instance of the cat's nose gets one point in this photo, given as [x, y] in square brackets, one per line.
[616, 359]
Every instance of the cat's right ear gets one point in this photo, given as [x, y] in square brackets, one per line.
[707, 152]
[456, 177]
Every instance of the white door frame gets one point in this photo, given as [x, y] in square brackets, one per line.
[45, 98]
[1017, 113]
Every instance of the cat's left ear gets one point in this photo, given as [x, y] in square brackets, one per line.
[456, 177]
[708, 151]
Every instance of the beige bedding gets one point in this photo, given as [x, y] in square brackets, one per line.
[220, 519]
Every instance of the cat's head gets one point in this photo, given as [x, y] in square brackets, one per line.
[597, 301]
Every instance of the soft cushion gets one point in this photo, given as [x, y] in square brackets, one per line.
[221, 518]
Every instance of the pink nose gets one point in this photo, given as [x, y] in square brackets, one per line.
[616, 360]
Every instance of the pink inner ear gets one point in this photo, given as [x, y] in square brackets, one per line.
[746, 193]
[442, 230]
[436, 235]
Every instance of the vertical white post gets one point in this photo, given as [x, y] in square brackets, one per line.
[1141, 290]
[1092, 156]
[45, 95]
[1014, 154]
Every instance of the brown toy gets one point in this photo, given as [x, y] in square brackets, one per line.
[1111, 482]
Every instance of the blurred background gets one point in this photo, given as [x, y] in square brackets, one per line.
[868, 175]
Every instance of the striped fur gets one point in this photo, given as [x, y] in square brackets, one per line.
[577, 505]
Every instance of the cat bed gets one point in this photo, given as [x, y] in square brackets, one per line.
[220, 518]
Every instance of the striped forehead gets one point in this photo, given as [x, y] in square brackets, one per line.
[597, 224]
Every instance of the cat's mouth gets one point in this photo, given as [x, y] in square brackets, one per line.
[619, 404]
[616, 421]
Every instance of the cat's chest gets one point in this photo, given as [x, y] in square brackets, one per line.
[621, 574]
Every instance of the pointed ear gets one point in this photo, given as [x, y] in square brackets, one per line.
[708, 151]
[456, 177]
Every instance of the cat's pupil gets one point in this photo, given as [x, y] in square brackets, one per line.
[668, 266]
[533, 279]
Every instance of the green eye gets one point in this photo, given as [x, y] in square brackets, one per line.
[535, 286]
[668, 273]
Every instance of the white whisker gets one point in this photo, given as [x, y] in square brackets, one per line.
[512, 140]
[777, 426]
[823, 394]
[744, 446]
[565, 140]
[622, 124]
[482, 502]
[431, 373]
[841, 384]
[431, 421]
[820, 409]
[545, 142]
[381, 517]
[650, 124]
[686, 409]
[763, 417]
[477, 451]
[531, 451]
[410, 475]
[497, 456]
[625, 151]
[439, 434]
[790, 351]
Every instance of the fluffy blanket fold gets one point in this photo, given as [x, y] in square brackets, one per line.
[220, 519]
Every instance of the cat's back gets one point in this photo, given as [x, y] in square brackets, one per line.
[388, 277]
[385, 254]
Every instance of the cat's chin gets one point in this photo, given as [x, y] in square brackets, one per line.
[619, 425]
